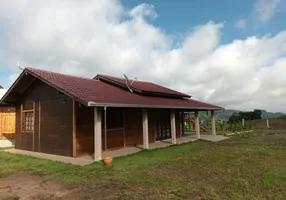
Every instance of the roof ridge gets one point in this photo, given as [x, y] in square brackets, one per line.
[62, 74]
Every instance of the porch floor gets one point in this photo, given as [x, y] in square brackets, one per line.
[159, 144]
[88, 159]
[65, 159]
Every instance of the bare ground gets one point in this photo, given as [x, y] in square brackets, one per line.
[33, 187]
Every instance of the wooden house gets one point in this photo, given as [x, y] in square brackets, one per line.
[70, 116]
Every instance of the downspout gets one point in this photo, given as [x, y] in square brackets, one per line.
[105, 135]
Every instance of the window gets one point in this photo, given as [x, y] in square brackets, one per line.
[27, 117]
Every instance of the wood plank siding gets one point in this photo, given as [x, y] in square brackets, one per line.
[52, 129]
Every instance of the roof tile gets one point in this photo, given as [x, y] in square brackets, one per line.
[144, 86]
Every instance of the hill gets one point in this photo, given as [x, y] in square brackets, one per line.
[224, 115]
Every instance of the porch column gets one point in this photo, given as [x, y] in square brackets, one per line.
[213, 122]
[173, 127]
[197, 122]
[97, 134]
[145, 129]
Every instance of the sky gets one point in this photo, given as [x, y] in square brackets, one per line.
[229, 53]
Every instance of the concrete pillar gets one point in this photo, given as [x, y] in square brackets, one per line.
[97, 134]
[213, 122]
[173, 127]
[197, 124]
[267, 123]
[145, 129]
[242, 122]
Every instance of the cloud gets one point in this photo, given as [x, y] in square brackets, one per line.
[264, 10]
[2, 92]
[241, 24]
[89, 37]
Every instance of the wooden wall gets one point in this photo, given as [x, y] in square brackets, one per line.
[7, 122]
[84, 129]
[131, 134]
[133, 126]
[52, 123]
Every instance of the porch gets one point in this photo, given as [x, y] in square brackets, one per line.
[100, 131]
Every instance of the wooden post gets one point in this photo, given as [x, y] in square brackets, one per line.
[242, 122]
[39, 139]
[21, 124]
[74, 129]
[105, 130]
[34, 106]
[97, 134]
[145, 129]
[124, 140]
[267, 123]
[173, 127]
[197, 124]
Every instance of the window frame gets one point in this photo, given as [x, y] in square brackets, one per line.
[23, 118]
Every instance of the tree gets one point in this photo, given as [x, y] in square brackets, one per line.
[252, 115]
[1, 87]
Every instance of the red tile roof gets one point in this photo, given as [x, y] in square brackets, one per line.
[143, 86]
[87, 90]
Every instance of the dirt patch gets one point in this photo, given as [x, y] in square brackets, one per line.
[33, 187]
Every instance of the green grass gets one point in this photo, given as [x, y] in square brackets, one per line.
[247, 166]
[6, 148]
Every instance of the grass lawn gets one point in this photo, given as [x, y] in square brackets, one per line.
[248, 166]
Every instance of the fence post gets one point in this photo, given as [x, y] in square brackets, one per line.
[267, 123]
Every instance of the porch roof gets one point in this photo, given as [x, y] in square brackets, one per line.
[92, 92]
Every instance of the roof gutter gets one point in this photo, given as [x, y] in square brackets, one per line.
[94, 104]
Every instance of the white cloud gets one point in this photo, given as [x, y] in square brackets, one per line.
[264, 10]
[2, 92]
[241, 24]
[89, 37]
